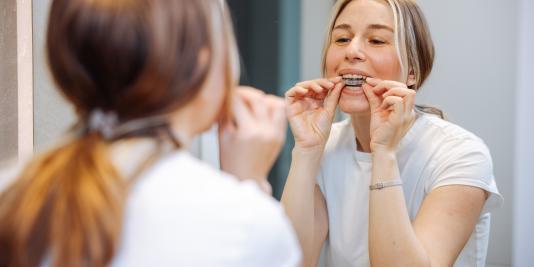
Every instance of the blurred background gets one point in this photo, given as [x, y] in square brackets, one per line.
[481, 79]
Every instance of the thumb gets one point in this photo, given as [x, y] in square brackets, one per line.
[332, 98]
[374, 100]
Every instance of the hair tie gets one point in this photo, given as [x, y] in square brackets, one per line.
[103, 122]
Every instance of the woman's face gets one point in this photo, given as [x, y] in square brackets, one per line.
[213, 92]
[362, 44]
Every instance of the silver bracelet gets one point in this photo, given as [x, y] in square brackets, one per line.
[381, 185]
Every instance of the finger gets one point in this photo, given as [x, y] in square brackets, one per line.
[336, 79]
[332, 99]
[257, 105]
[408, 96]
[296, 92]
[260, 110]
[373, 98]
[317, 86]
[383, 86]
[253, 99]
[326, 83]
[275, 104]
[376, 86]
[242, 114]
[297, 108]
[394, 102]
[398, 91]
[312, 103]
[375, 82]
[277, 113]
[372, 81]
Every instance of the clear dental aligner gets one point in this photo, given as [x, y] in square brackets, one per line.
[353, 80]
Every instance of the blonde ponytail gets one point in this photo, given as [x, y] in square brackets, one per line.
[68, 205]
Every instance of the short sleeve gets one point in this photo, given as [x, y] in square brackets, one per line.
[465, 161]
[271, 239]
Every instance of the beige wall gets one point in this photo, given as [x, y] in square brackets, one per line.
[16, 79]
[8, 79]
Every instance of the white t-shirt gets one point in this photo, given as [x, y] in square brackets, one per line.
[433, 153]
[183, 212]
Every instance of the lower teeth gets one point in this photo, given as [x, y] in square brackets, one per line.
[354, 84]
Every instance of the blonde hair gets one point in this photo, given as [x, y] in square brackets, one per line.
[68, 203]
[413, 42]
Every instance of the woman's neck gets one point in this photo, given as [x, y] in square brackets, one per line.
[361, 125]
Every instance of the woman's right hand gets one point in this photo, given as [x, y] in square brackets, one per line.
[251, 140]
[310, 109]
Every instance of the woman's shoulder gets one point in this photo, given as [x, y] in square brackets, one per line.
[457, 157]
[444, 129]
[187, 185]
[182, 198]
[446, 141]
[182, 173]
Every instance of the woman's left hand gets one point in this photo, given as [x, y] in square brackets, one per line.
[392, 112]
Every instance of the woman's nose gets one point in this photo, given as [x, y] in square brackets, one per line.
[355, 51]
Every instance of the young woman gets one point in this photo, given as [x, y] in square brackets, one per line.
[145, 77]
[393, 185]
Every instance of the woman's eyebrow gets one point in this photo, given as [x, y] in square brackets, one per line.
[379, 27]
[343, 26]
[347, 27]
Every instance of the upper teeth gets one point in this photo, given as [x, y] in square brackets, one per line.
[353, 76]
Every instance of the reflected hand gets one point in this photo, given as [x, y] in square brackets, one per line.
[310, 108]
[392, 112]
[251, 140]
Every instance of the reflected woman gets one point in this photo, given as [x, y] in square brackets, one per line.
[394, 184]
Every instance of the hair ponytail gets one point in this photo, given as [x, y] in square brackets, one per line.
[67, 205]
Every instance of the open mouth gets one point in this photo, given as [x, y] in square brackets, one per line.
[353, 80]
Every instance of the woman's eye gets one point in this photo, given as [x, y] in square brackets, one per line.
[342, 40]
[376, 41]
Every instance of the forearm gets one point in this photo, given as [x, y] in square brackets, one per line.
[298, 196]
[392, 240]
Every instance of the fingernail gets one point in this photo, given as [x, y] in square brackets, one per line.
[336, 79]
[371, 80]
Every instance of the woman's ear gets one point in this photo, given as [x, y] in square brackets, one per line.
[203, 57]
[411, 82]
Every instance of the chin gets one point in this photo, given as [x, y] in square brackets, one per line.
[351, 105]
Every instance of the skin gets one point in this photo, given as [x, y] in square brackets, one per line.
[382, 111]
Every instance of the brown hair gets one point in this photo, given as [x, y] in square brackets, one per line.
[135, 58]
[414, 44]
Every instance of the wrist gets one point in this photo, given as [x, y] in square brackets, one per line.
[309, 156]
[384, 146]
[385, 166]
[314, 153]
[384, 156]
[382, 150]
